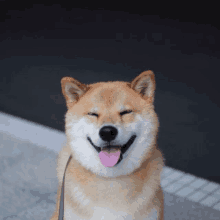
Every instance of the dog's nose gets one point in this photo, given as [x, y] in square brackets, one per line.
[108, 133]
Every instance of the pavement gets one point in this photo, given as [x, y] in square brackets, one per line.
[28, 180]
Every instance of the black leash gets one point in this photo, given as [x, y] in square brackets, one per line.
[61, 210]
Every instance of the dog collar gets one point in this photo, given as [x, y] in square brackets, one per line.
[61, 209]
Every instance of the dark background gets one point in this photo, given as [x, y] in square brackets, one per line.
[39, 44]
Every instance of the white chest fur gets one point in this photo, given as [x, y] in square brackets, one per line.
[101, 213]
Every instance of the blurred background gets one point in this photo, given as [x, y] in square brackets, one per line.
[39, 44]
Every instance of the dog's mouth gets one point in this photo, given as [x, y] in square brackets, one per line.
[122, 148]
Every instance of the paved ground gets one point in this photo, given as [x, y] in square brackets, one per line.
[28, 190]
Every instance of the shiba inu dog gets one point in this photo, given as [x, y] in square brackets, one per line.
[115, 166]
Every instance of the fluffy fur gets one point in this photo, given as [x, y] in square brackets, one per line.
[129, 190]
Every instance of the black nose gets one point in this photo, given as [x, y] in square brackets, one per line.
[108, 133]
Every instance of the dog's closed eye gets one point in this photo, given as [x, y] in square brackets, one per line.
[125, 112]
[93, 114]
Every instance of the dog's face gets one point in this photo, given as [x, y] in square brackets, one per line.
[111, 126]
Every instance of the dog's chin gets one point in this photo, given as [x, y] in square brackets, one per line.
[123, 148]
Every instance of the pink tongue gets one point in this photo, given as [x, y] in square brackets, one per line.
[109, 159]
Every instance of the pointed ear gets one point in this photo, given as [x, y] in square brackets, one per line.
[145, 85]
[72, 90]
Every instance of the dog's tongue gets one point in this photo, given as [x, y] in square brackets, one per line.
[109, 158]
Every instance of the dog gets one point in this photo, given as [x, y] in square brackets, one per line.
[115, 167]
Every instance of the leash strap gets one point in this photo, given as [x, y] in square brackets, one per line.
[61, 209]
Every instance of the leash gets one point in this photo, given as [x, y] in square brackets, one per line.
[61, 209]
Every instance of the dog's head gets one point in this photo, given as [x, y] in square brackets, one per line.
[111, 126]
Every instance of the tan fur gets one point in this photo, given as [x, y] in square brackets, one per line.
[137, 193]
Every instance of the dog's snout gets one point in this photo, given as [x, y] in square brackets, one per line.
[108, 133]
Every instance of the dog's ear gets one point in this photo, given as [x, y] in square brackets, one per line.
[72, 90]
[145, 85]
